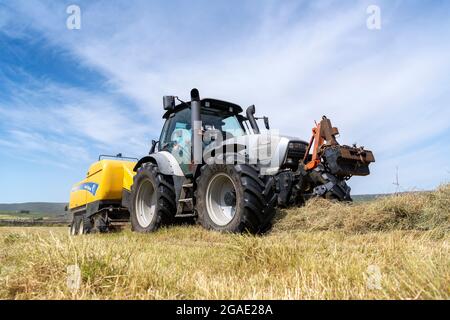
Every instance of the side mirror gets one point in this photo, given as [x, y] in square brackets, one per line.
[266, 123]
[153, 148]
[169, 102]
[66, 208]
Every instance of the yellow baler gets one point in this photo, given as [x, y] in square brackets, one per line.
[101, 197]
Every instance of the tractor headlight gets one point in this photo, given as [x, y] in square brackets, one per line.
[295, 145]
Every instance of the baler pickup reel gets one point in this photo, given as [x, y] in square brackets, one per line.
[327, 165]
[342, 161]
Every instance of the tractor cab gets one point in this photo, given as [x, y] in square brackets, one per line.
[219, 120]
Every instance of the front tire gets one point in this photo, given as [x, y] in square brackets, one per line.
[152, 199]
[233, 198]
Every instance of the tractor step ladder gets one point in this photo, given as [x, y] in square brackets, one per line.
[185, 206]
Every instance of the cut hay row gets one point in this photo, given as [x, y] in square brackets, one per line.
[407, 211]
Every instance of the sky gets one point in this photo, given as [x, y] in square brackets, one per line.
[67, 96]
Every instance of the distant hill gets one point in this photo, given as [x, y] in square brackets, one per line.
[367, 197]
[37, 207]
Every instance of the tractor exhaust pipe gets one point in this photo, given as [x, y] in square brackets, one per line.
[196, 123]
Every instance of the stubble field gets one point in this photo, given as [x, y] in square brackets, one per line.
[390, 248]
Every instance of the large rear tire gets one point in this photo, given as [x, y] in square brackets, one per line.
[152, 199]
[233, 198]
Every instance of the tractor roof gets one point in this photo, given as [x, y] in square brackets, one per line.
[210, 104]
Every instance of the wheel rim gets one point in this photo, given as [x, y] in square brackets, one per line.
[221, 199]
[72, 229]
[81, 228]
[145, 203]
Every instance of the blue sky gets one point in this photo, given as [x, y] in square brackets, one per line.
[68, 95]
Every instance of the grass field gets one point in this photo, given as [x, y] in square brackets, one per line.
[390, 248]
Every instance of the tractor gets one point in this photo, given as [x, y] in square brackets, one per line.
[214, 165]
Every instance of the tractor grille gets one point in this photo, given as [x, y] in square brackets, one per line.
[296, 151]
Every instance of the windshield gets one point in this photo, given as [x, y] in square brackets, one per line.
[228, 125]
[180, 126]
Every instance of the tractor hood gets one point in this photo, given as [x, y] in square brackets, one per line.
[269, 151]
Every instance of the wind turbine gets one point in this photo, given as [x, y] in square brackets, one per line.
[396, 183]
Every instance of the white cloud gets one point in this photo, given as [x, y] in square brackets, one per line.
[31, 145]
[69, 123]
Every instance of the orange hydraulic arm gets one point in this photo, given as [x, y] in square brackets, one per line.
[323, 134]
